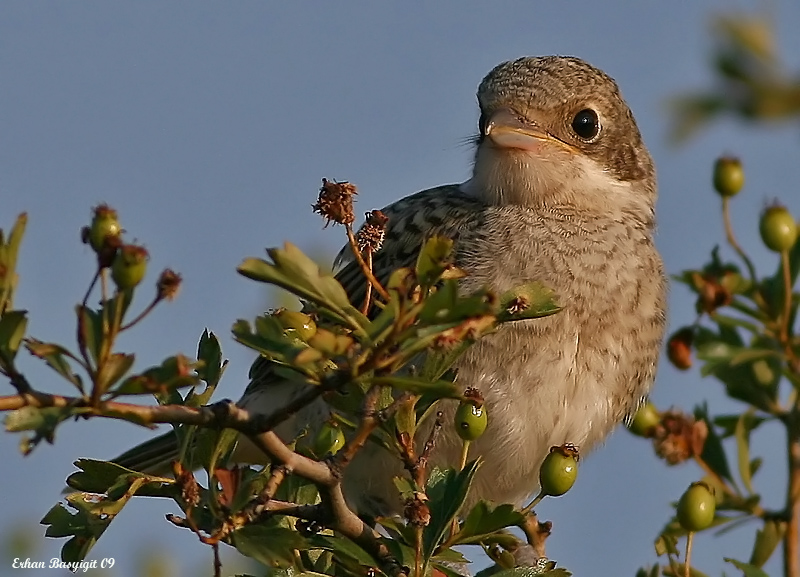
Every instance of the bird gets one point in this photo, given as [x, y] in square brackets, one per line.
[563, 192]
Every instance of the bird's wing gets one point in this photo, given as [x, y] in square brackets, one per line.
[444, 210]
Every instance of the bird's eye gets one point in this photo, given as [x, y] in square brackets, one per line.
[586, 124]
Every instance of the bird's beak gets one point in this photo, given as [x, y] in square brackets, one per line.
[506, 130]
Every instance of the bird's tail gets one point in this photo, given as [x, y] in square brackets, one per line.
[153, 457]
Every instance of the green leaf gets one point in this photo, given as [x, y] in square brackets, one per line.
[12, 329]
[209, 353]
[269, 544]
[532, 572]
[747, 569]
[41, 420]
[113, 369]
[344, 550]
[93, 514]
[90, 330]
[485, 519]
[743, 449]
[8, 261]
[446, 490]
[442, 389]
[294, 271]
[175, 372]
[433, 260]
[530, 301]
[713, 451]
[767, 540]
[56, 358]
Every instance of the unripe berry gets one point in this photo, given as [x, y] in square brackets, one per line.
[778, 229]
[559, 470]
[696, 507]
[105, 226]
[645, 420]
[129, 266]
[470, 420]
[728, 176]
[329, 439]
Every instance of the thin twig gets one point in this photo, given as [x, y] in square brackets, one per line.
[687, 565]
[726, 218]
[142, 314]
[368, 293]
[364, 268]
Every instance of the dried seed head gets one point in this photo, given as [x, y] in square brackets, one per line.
[370, 236]
[335, 202]
[679, 437]
[168, 285]
[517, 305]
[417, 512]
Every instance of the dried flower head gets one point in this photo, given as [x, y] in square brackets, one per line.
[168, 285]
[417, 511]
[370, 236]
[679, 437]
[335, 202]
[517, 305]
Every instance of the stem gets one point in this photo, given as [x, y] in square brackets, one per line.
[533, 503]
[368, 294]
[791, 539]
[726, 218]
[364, 268]
[687, 566]
[464, 453]
[142, 314]
[418, 552]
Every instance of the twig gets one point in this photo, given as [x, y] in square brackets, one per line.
[791, 539]
[217, 560]
[368, 293]
[157, 299]
[726, 218]
[364, 268]
[687, 563]
[536, 533]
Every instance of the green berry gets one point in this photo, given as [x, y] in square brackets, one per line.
[645, 420]
[129, 266]
[778, 229]
[696, 507]
[470, 420]
[728, 176]
[559, 470]
[329, 439]
[105, 225]
[297, 324]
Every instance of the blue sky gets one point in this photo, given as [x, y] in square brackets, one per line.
[209, 125]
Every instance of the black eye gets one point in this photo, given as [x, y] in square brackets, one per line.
[586, 124]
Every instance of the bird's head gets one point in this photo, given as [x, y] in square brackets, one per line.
[554, 133]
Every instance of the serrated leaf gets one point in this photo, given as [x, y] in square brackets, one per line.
[269, 544]
[433, 260]
[41, 420]
[713, 451]
[209, 352]
[446, 491]
[442, 389]
[295, 272]
[115, 366]
[90, 330]
[12, 330]
[56, 358]
[91, 517]
[484, 519]
[9, 251]
[173, 373]
[746, 568]
[343, 550]
[530, 301]
[767, 540]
